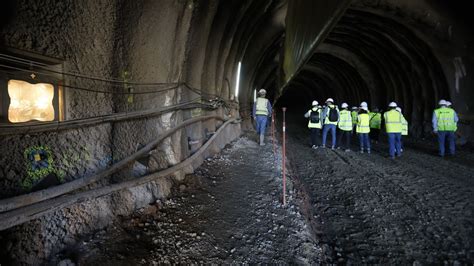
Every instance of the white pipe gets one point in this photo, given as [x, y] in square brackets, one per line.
[237, 81]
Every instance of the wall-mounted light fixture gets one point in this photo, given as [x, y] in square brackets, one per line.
[237, 82]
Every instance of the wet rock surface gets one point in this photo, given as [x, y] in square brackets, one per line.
[371, 209]
[229, 211]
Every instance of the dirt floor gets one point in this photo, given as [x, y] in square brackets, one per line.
[344, 208]
[229, 211]
[371, 209]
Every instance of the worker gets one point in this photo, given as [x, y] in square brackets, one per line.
[393, 127]
[404, 127]
[262, 109]
[345, 127]
[363, 128]
[330, 118]
[315, 123]
[445, 122]
[354, 113]
[375, 125]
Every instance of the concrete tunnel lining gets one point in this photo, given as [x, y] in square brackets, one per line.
[376, 52]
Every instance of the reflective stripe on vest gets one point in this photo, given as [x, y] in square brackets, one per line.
[261, 106]
[315, 125]
[393, 121]
[404, 126]
[345, 120]
[375, 120]
[445, 117]
[363, 124]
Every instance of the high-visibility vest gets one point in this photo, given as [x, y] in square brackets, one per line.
[345, 120]
[261, 106]
[404, 127]
[445, 118]
[363, 123]
[315, 125]
[326, 120]
[393, 121]
[375, 120]
[354, 117]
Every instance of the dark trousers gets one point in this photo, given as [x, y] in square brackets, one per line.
[450, 136]
[346, 137]
[374, 134]
[315, 132]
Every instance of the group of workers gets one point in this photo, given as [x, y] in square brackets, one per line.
[365, 123]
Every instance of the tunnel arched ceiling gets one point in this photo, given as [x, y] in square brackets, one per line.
[370, 57]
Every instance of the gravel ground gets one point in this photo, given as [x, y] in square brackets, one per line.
[229, 211]
[417, 209]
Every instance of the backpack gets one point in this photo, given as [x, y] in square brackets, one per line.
[314, 117]
[333, 116]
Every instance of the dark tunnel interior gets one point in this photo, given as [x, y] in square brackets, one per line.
[120, 90]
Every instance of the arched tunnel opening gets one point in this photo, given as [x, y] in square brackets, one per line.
[131, 132]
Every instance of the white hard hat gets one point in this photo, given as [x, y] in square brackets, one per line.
[448, 103]
[363, 104]
[398, 109]
[330, 100]
[262, 91]
[442, 102]
[354, 107]
[344, 105]
[392, 104]
[364, 108]
[315, 103]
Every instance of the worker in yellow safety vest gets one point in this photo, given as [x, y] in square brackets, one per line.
[363, 128]
[354, 114]
[375, 125]
[262, 109]
[345, 127]
[404, 127]
[393, 127]
[330, 117]
[445, 122]
[315, 123]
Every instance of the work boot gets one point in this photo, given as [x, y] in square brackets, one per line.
[261, 140]
[362, 150]
[368, 151]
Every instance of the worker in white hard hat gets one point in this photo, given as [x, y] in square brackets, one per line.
[363, 129]
[262, 110]
[445, 122]
[315, 123]
[344, 127]
[330, 118]
[404, 127]
[393, 127]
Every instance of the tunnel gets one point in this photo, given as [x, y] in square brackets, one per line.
[120, 120]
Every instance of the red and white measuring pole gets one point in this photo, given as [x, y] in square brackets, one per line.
[283, 157]
[273, 135]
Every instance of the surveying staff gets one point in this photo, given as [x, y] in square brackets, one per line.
[315, 123]
[393, 127]
[262, 109]
[445, 124]
[404, 127]
[363, 129]
[375, 124]
[345, 127]
[331, 117]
